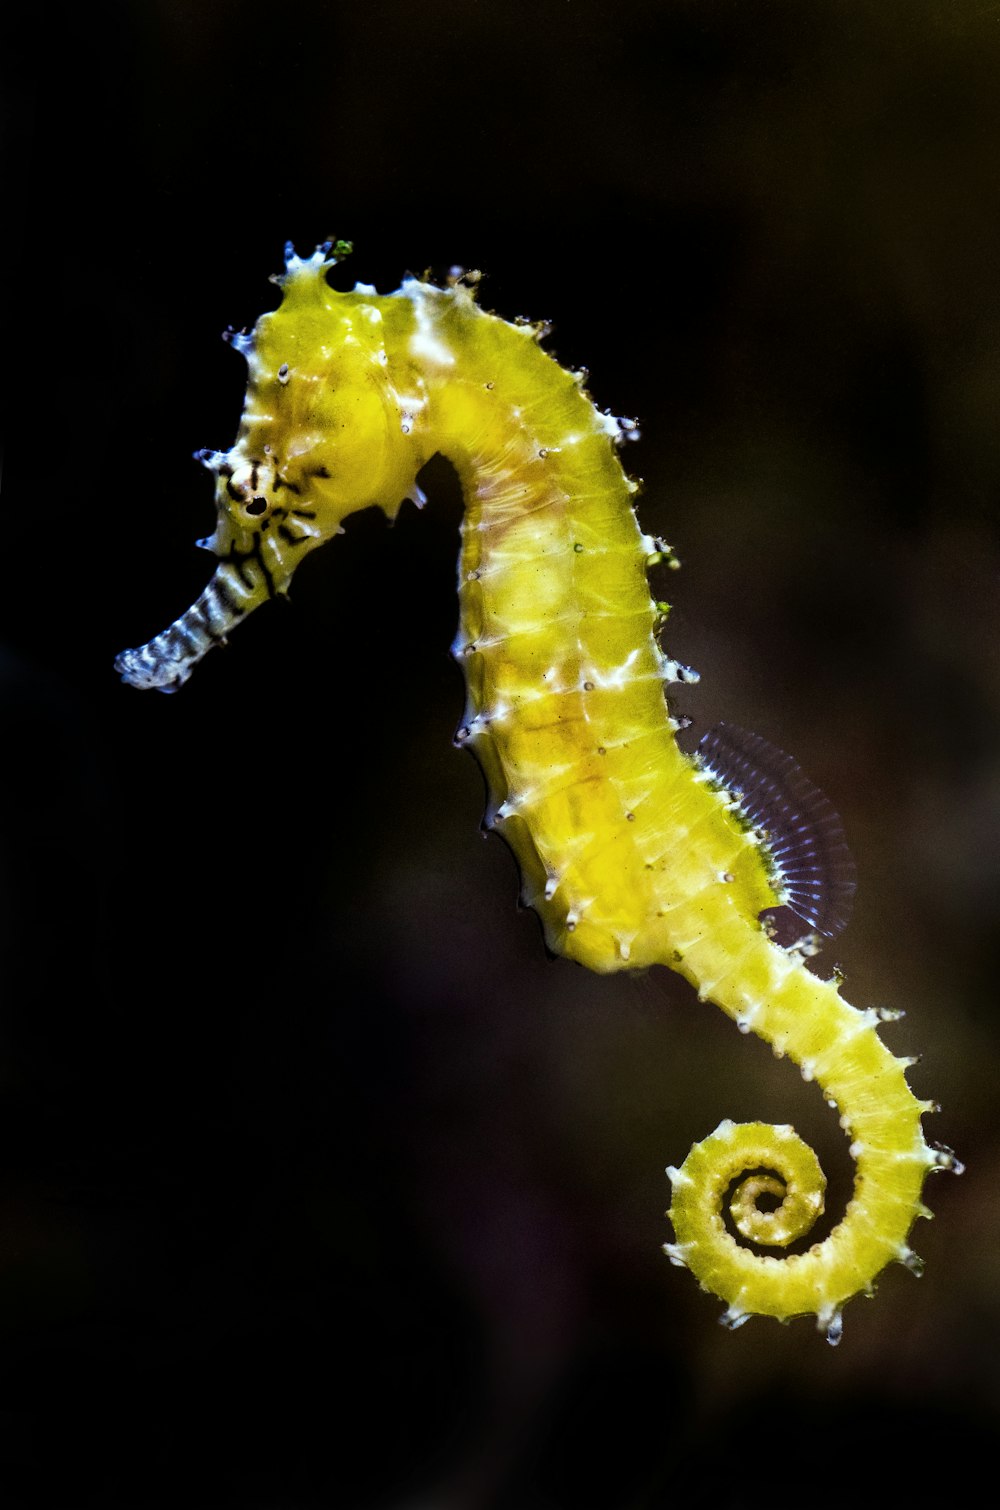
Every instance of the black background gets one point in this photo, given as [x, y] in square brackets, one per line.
[321, 1185]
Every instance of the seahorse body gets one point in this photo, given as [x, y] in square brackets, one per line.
[629, 849]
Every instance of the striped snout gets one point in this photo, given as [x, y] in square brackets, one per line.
[166, 662]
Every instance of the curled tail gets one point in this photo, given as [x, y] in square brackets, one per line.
[806, 1019]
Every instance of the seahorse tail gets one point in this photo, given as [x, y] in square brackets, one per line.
[840, 1049]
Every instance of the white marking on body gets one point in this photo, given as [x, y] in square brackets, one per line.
[410, 403]
[617, 676]
[309, 440]
[747, 1018]
[426, 342]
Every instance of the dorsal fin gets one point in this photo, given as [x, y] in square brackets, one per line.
[801, 829]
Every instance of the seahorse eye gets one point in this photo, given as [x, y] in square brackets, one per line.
[248, 486]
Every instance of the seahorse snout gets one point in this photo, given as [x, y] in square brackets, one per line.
[165, 662]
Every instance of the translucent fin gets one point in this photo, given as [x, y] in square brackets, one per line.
[802, 831]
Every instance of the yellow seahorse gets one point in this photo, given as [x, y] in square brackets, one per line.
[633, 852]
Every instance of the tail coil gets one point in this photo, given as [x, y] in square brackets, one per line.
[759, 1162]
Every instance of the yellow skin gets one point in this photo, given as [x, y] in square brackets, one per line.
[630, 854]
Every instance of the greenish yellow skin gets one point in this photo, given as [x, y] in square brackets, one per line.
[629, 854]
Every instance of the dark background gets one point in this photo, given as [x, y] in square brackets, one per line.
[319, 1184]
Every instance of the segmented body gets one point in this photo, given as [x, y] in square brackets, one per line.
[632, 852]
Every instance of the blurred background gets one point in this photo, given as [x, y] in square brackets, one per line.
[320, 1185]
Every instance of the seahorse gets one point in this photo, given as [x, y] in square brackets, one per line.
[633, 852]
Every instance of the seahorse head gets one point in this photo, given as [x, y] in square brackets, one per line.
[325, 432]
